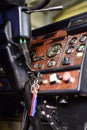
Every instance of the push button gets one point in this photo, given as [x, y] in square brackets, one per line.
[66, 76]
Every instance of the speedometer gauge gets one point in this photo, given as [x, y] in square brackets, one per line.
[54, 50]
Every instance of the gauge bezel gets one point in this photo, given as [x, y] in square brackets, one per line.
[54, 53]
[71, 42]
[49, 63]
[68, 49]
[82, 37]
[79, 46]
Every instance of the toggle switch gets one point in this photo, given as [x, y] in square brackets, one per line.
[59, 77]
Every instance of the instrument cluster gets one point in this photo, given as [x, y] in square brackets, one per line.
[45, 51]
[74, 49]
[58, 50]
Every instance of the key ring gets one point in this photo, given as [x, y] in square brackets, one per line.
[35, 88]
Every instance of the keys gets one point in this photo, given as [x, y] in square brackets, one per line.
[34, 90]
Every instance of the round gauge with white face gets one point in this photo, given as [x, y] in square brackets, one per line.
[80, 48]
[73, 41]
[69, 50]
[83, 38]
[51, 63]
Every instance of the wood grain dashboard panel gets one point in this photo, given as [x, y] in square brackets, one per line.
[48, 56]
[59, 37]
[77, 49]
[60, 84]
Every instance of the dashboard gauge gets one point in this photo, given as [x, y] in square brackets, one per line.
[54, 50]
[39, 66]
[32, 54]
[69, 50]
[83, 38]
[35, 65]
[80, 48]
[73, 41]
[51, 63]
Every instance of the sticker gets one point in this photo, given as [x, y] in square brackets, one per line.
[79, 54]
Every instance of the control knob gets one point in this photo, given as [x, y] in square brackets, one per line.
[66, 61]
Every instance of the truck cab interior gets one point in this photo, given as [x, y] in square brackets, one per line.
[43, 78]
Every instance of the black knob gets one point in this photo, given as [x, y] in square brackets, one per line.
[66, 61]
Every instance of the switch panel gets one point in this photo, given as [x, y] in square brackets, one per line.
[60, 81]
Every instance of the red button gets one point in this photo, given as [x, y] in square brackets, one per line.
[66, 76]
[50, 41]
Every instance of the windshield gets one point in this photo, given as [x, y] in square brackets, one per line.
[70, 8]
